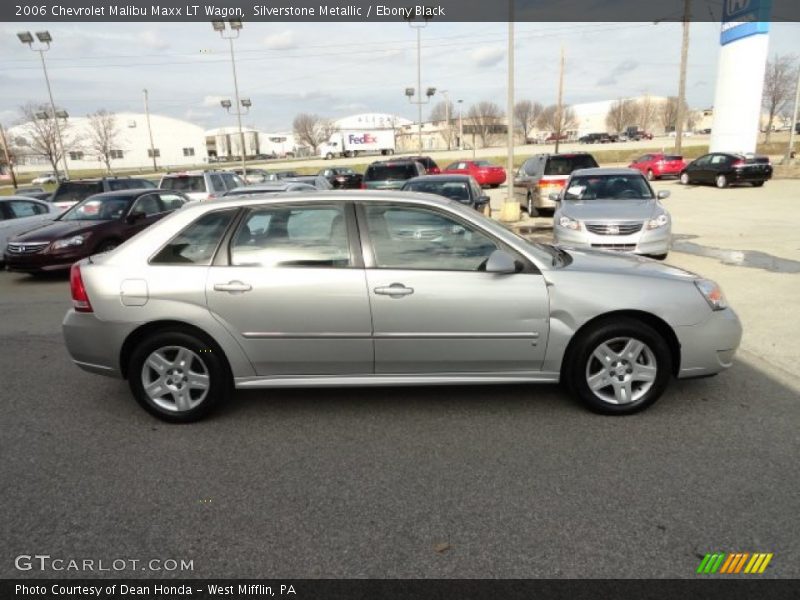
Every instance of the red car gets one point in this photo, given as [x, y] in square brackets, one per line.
[553, 137]
[483, 171]
[658, 165]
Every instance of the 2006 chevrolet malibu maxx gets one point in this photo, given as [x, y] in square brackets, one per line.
[382, 288]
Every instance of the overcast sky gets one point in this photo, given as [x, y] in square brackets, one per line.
[341, 69]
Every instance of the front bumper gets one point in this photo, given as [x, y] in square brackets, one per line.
[646, 241]
[708, 347]
[42, 262]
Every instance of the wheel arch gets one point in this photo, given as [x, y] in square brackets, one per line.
[657, 323]
[148, 329]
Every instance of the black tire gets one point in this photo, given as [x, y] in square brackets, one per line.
[658, 256]
[494, 186]
[577, 363]
[208, 355]
[758, 183]
[721, 181]
[532, 212]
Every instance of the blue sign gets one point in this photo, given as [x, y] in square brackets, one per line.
[743, 18]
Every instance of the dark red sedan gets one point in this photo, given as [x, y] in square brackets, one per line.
[98, 224]
[657, 165]
[484, 172]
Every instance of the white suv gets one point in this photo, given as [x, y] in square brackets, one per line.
[201, 185]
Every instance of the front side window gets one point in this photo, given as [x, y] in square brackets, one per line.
[419, 238]
[280, 236]
[147, 205]
[196, 244]
[172, 201]
[21, 208]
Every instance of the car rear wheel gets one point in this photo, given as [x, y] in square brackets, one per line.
[177, 376]
[532, 212]
[619, 367]
[684, 178]
[721, 181]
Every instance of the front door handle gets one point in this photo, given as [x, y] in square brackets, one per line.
[396, 290]
[233, 287]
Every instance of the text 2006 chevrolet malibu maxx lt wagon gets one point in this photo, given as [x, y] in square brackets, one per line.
[382, 288]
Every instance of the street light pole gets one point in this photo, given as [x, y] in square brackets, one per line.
[150, 130]
[45, 38]
[680, 115]
[236, 27]
[460, 126]
[795, 114]
[446, 95]
[510, 206]
[419, 101]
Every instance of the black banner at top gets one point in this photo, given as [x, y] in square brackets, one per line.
[394, 10]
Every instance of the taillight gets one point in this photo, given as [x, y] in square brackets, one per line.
[363, 185]
[80, 299]
[552, 183]
[738, 163]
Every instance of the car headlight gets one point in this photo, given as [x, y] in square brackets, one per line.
[659, 221]
[76, 240]
[712, 293]
[568, 223]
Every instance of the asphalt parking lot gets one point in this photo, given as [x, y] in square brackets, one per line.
[479, 482]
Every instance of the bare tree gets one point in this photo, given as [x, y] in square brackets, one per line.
[525, 115]
[484, 120]
[621, 114]
[646, 112]
[103, 136]
[39, 137]
[669, 113]
[312, 129]
[778, 87]
[557, 119]
[443, 112]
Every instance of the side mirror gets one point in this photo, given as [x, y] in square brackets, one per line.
[501, 262]
[135, 217]
[555, 197]
[663, 194]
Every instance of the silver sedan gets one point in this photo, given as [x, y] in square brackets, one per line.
[382, 288]
[612, 209]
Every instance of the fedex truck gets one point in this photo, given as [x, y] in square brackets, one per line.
[358, 141]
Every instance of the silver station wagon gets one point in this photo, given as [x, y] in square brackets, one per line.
[383, 289]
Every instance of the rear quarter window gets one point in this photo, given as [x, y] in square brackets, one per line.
[196, 244]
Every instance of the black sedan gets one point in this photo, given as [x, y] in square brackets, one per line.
[342, 178]
[462, 188]
[724, 168]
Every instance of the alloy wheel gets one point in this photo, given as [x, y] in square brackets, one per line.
[722, 181]
[175, 378]
[621, 370]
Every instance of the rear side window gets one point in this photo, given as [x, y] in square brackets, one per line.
[217, 183]
[564, 165]
[75, 191]
[672, 157]
[196, 244]
[186, 184]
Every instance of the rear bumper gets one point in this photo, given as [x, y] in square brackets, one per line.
[709, 347]
[743, 177]
[94, 346]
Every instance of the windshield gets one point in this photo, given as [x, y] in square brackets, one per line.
[184, 183]
[455, 190]
[99, 208]
[344, 172]
[564, 165]
[608, 187]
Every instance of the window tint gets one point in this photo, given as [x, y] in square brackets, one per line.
[310, 236]
[564, 165]
[187, 184]
[719, 159]
[418, 238]
[196, 244]
[616, 187]
[231, 181]
[20, 208]
[217, 183]
[703, 160]
[75, 191]
[400, 171]
[149, 205]
[455, 190]
[172, 201]
[101, 207]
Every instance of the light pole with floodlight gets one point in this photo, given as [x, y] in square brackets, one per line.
[45, 39]
[235, 28]
[431, 90]
[245, 104]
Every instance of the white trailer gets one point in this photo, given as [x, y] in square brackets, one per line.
[358, 141]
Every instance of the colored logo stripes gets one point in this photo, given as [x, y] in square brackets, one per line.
[734, 562]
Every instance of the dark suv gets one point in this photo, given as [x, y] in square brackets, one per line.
[69, 193]
[545, 174]
[391, 174]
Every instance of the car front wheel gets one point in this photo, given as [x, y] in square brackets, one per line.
[177, 377]
[722, 181]
[619, 367]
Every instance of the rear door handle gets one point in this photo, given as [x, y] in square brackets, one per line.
[395, 290]
[233, 287]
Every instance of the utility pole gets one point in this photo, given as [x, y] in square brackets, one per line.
[680, 115]
[510, 206]
[150, 130]
[560, 105]
[8, 156]
[460, 127]
[795, 115]
[446, 95]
